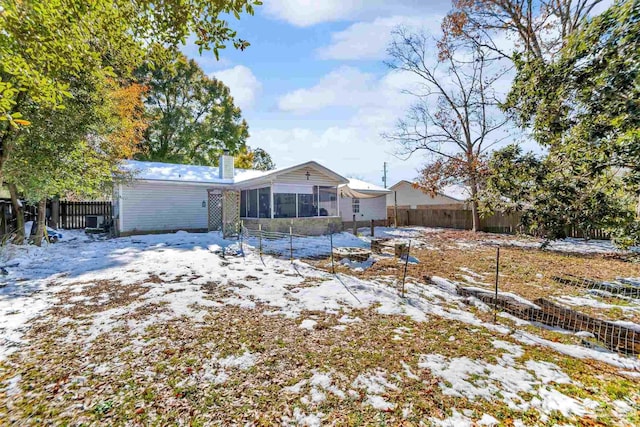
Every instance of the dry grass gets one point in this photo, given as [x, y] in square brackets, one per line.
[523, 271]
[156, 378]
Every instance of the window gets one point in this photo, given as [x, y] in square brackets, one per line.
[252, 204]
[243, 203]
[327, 201]
[307, 206]
[284, 205]
[301, 201]
[355, 205]
[255, 203]
[264, 202]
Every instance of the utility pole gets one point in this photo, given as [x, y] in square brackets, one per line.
[384, 176]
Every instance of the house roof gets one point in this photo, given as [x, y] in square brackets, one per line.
[276, 172]
[157, 171]
[457, 192]
[365, 187]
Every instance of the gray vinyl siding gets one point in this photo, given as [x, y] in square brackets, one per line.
[146, 206]
[374, 208]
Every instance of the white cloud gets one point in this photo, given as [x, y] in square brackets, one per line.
[244, 85]
[367, 106]
[353, 145]
[369, 40]
[349, 150]
[304, 13]
[351, 88]
[345, 86]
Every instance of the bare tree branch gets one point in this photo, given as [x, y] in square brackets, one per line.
[454, 114]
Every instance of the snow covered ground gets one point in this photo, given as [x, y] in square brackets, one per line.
[134, 283]
[568, 245]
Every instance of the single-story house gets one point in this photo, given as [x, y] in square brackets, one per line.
[362, 201]
[405, 195]
[163, 197]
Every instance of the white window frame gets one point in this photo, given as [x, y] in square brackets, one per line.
[355, 205]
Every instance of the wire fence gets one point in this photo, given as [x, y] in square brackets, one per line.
[621, 338]
[625, 288]
[343, 248]
[336, 248]
[288, 245]
[616, 337]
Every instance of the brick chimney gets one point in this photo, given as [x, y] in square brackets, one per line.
[225, 166]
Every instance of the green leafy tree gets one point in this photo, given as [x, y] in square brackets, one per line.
[249, 158]
[44, 40]
[555, 194]
[585, 107]
[50, 49]
[192, 116]
[589, 100]
[262, 160]
[45, 44]
[75, 150]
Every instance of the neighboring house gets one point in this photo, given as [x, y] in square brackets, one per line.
[405, 195]
[365, 201]
[169, 197]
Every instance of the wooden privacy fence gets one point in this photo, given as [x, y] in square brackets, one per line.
[457, 218]
[463, 219]
[59, 214]
[73, 214]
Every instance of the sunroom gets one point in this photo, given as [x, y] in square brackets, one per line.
[303, 198]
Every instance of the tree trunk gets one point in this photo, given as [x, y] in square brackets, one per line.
[18, 211]
[42, 214]
[474, 205]
[55, 213]
[476, 215]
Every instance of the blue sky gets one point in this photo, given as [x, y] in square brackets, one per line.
[313, 85]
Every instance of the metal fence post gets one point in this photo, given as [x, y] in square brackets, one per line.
[395, 209]
[291, 243]
[406, 262]
[333, 268]
[355, 228]
[372, 228]
[495, 302]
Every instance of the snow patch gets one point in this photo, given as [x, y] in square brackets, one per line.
[242, 362]
[463, 377]
[308, 324]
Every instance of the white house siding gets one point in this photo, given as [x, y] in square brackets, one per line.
[408, 196]
[374, 208]
[299, 176]
[147, 206]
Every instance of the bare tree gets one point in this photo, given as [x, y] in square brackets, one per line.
[454, 116]
[539, 27]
